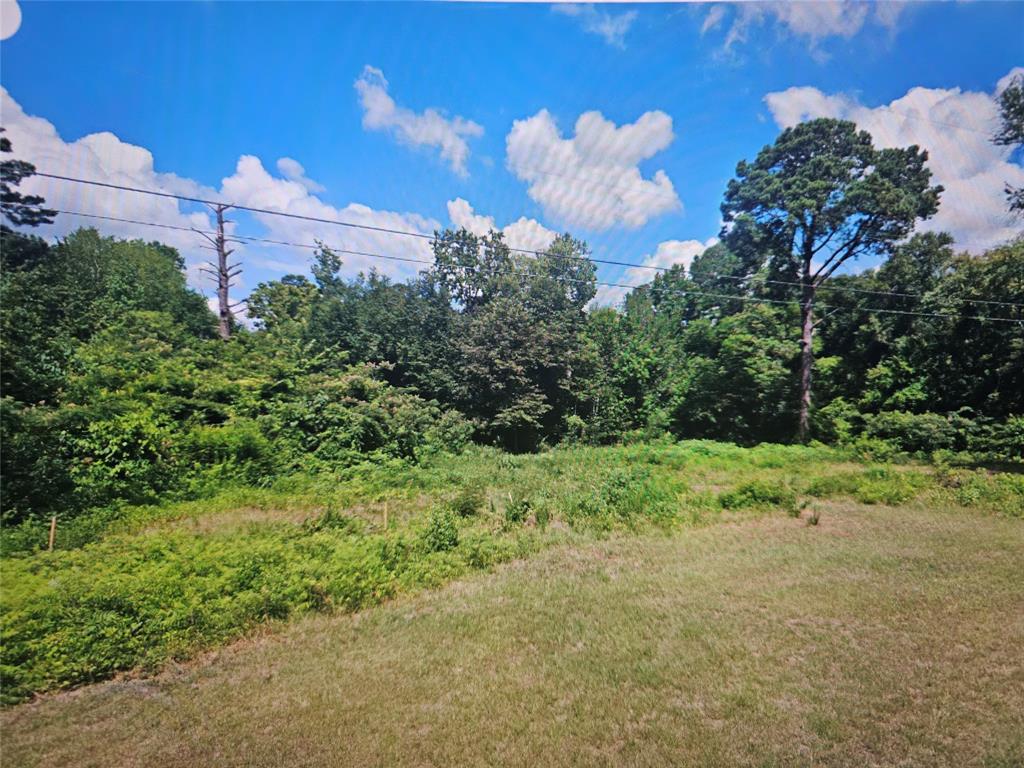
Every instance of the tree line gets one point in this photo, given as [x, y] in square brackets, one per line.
[117, 388]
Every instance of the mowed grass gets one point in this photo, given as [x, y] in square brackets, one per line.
[882, 636]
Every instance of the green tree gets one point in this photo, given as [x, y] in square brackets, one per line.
[282, 304]
[472, 269]
[1011, 132]
[518, 335]
[19, 209]
[818, 197]
[84, 283]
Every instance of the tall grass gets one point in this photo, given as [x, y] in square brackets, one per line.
[133, 587]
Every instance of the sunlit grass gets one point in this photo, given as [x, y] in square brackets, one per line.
[882, 636]
[134, 588]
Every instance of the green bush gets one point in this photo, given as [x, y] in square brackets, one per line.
[873, 449]
[1002, 493]
[517, 510]
[758, 493]
[128, 456]
[78, 616]
[914, 432]
[837, 422]
[468, 501]
[835, 484]
[33, 462]
[892, 492]
[1001, 441]
[632, 493]
[442, 531]
[239, 446]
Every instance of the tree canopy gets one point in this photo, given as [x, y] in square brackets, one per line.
[116, 388]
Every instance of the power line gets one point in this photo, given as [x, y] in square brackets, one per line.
[421, 235]
[236, 237]
[852, 289]
[627, 286]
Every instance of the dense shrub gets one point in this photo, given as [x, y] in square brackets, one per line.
[915, 432]
[626, 495]
[517, 510]
[468, 501]
[33, 463]
[124, 445]
[157, 583]
[128, 456]
[884, 486]
[758, 493]
[630, 493]
[239, 443]
[442, 531]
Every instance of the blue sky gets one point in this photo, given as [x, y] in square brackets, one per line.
[674, 96]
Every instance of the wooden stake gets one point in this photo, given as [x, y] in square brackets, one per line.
[385, 515]
[53, 532]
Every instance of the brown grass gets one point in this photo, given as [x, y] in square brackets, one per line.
[881, 637]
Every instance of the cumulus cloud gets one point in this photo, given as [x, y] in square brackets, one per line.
[612, 27]
[10, 18]
[956, 128]
[593, 180]
[668, 254]
[104, 157]
[293, 170]
[252, 185]
[524, 233]
[812, 21]
[429, 128]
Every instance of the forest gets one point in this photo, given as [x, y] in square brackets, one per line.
[117, 388]
[512, 384]
[360, 438]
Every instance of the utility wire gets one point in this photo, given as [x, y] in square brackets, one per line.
[627, 286]
[852, 289]
[421, 235]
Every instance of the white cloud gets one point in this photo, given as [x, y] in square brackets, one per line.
[812, 21]
[293, 170]
[252, 185]
[668, 254]
[104, 157]
[428, 128]
[463, 217]
[10, 18]
[610, 26]
[524, 233]
[956, 128]
[713, 19]
[593, 180]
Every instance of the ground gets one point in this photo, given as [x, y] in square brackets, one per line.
[882, 636]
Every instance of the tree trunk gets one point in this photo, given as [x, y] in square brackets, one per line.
[223, 279]
[803, 430]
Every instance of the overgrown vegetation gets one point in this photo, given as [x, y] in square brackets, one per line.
[865, 640]
[149, 584]
[203, 485]
[116, 389]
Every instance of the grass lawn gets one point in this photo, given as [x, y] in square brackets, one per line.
[886, 635]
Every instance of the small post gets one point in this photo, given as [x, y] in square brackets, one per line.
[385, 515]
[53, 533]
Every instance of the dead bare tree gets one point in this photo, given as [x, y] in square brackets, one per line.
[222, 272]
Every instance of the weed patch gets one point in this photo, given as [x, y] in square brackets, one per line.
[758, 493]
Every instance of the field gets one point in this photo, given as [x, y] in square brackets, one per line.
[676, 604]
